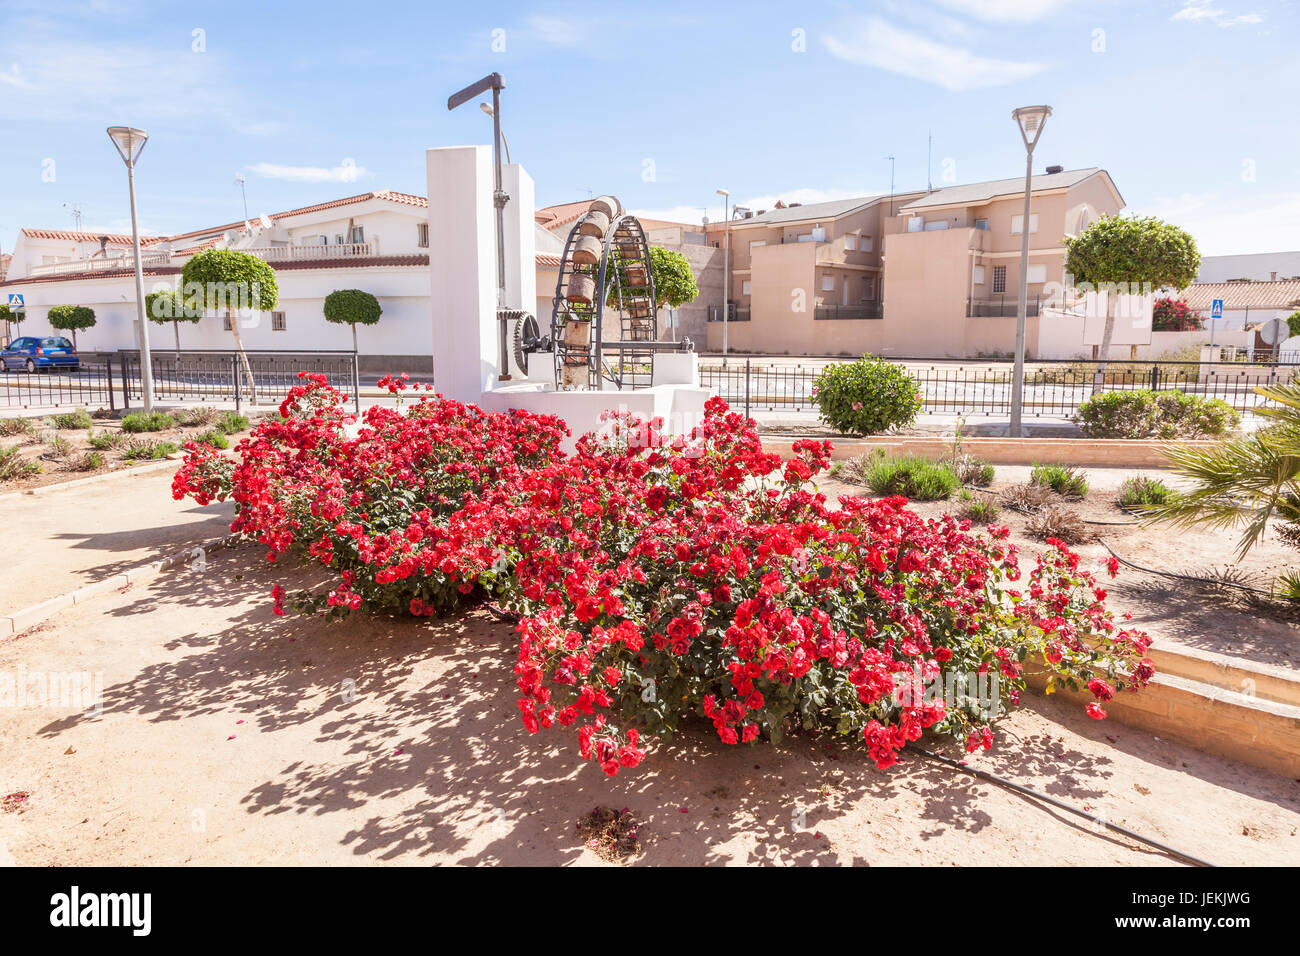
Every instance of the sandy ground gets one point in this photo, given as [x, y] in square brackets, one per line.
[75, 536]
[233, 737]
[1174, 612]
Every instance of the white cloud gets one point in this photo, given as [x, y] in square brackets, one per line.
[345, 172]
[1006, 11]
[875, 43]
[1225, 226]
[1196, 11]
[558, 31]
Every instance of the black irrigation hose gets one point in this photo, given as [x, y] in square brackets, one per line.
[1182, 577]
[1061, 805]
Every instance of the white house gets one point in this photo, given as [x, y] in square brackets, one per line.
[376, 241]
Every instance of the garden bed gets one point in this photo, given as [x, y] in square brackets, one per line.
[1218, 620]
[67, 446]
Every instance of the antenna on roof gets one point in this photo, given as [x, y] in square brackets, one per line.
[76, 212]
[891, 184]
[929, 162]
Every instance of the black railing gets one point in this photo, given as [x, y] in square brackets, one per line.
[113, 380]
[735, 313]
[1053, 389]
[1000, 307]
[868, 310]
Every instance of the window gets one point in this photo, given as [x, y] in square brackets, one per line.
[936, 225]
[999, 278]
[422, 235]
[755, 244]
[806, 237]
[828, 283]
[277, 322]
[744, 287]
[1036, 274]
[868, 288]
[1018, 224]
[982, 224]
[864, 243]
[979, 275]
[338, 239]
[915, 224]
[324, 240]
[358, 234]
[851, 242]
[819, 234]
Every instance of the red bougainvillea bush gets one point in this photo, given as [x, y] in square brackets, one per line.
[658, 581]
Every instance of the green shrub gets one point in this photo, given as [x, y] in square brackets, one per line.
[916, 478]
[981, 512]
[13, 466]
[86, 461]
[1141, 491]
[214, 438]
[72, 420]
[56, 446]
[1065, 480]
[1143, 413]
[153, 422]
[105, 440]
[866, 396]
[16, 426]
[232, 422]
[149, 449]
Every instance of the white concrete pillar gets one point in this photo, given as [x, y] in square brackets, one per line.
[521, 253]
[462, 270]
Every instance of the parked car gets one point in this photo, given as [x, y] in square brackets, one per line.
[32, 353]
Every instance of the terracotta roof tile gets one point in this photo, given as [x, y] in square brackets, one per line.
[1241, 295]
[70, 235]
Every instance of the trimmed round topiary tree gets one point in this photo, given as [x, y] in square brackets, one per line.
[223, 280]
[167, 305]
[673, 279]
[69, 318]
[867, 396]
[8, 315]
[1129, 254]
[352, 307]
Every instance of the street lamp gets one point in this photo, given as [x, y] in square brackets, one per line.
[1031, 120]
[129, 143]
[726, 253]
[487, 108]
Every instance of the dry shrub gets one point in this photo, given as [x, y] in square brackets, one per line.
[609, 833]
[1052, 521]
[1028, 497]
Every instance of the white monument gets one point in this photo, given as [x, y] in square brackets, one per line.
[473, 352]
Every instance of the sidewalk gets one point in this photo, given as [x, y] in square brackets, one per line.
[61, 540]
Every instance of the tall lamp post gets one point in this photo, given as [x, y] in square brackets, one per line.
[129, 143]
[1031, 120]
[726, 264]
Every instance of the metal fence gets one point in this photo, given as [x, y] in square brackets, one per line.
[1052, 389]
[113, 380]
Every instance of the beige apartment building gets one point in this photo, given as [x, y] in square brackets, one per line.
[924, 274]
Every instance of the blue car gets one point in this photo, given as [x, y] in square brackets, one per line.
[32, 353]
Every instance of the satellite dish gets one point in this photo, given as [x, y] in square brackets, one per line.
[1275, 331]
[266, 223]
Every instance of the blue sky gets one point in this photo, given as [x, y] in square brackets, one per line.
[1189, 105]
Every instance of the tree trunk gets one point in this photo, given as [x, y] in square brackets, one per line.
[243, 358]
[176, 328]
[74, 339]
[354, 338]
[1107, 334]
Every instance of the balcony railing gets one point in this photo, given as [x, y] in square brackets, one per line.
[1000, 307]
[867, 310]
[154, 260]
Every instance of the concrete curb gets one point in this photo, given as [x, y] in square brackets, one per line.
[24, 618]
[1114, 452]
[92, 479]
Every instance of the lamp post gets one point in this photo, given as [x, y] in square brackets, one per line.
[129, 143]
[1031, 120]
[726, 255]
